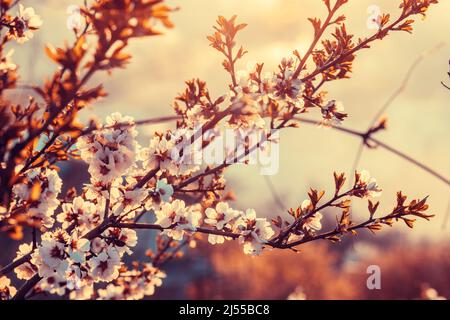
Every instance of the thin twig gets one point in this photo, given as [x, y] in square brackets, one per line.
[8, 268]
[396, 94]
[274, 192]
[391, 99]
[285, 234]
[363, 135]
[20, 295]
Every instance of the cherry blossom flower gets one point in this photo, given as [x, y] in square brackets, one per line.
[164, 190]
[98, 191]
[134, 284]
[151, 277]
[254, 232]
[252, 96]
[215, 239]
[7, 291]
[28, 16]
[170, 213]
[267, 86]
[171, 152]
[185, 152]
[366, 185]
[195, 116]
[50, 258]
[105, 266]
[78, 249]
[40, 188]
[73, 277]
[6, 63]
[26, 270]
[311, 223]
[179, 218]
[82, 213]
[129, 200]
[286, 87]
[333, 113]
[158, 153]
[188, 222]
[220, 217]
[78, 277]
[98, 245]
[244, 80]
[111, 151]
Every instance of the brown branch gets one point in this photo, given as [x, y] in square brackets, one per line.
[234, 160]
[365, 136]
[20, 295]
[31, 160]
[137, 123]
[146, 178]
[361, 45]
[317, 37]
[284, 235]
[149, 226]
[337, 232]
[8, 268]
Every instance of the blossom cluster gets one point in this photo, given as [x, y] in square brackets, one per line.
[66, 259]
[366, 186]
[111, 151]
[69, 262]
[257, 96]
[253, 232]
[6, 63]
[167, 154]
[39, 192]
[80, 240]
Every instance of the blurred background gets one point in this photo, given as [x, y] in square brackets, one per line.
[418, 124]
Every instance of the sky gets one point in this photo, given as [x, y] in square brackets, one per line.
[418, 119]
